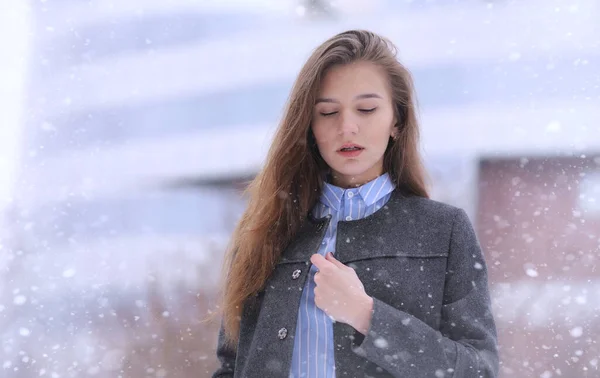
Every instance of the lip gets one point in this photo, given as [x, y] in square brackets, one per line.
[350, 145]
[353, 153]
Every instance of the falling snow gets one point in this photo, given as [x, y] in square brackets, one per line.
[68, 273]
[531, 272]
[19, 300]
[380, 342]
[125, 188]
[576, 332]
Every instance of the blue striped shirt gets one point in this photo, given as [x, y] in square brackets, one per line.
[313, 355]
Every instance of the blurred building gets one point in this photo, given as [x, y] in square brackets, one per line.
[123, 114]
[146, 118]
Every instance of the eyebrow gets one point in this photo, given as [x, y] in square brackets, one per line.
[358, 97]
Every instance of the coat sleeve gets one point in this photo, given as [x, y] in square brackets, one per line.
[226, 356]
[465, 346]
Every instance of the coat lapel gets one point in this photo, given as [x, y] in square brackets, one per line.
[271, 349]
[306, 241]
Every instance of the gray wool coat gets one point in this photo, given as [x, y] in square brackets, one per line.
[421, 262]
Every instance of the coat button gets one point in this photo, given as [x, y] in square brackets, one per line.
[282, 334]
[296, 274]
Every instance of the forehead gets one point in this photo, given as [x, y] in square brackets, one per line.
[351, 79]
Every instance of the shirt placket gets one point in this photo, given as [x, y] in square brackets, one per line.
[348, 203]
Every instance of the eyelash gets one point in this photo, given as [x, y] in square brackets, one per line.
[366, 111]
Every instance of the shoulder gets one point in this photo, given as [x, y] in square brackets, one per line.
[426, 209]
[432, 216]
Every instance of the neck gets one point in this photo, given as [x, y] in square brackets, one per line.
[346, 182]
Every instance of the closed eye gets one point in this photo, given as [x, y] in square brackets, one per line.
[328, 114]
[367, 110]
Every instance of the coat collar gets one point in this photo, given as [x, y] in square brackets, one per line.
[396, 217]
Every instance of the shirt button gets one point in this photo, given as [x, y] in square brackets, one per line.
[296, 274]
[348, 218]
[350, 194]
[282, 334]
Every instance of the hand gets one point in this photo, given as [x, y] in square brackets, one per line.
[340, 294]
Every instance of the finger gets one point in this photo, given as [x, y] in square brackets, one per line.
[320, 262]
[334, 261]
[317, 295]
[317, 278]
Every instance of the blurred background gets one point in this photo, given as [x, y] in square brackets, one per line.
[129, 129]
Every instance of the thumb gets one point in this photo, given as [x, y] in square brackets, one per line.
[335, 261]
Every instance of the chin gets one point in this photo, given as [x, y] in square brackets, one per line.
[358, 171]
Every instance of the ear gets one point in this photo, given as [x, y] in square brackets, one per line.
[394, 131]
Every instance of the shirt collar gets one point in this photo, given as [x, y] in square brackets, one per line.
[370, 193]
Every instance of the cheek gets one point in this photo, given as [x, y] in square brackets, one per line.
[381, 131]
[323, 135]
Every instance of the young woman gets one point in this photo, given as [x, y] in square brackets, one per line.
[341, 266]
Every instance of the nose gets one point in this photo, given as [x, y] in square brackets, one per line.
[348, 124]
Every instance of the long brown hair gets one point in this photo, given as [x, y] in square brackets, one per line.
[283, 193]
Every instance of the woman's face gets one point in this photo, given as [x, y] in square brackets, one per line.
[353, 120]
